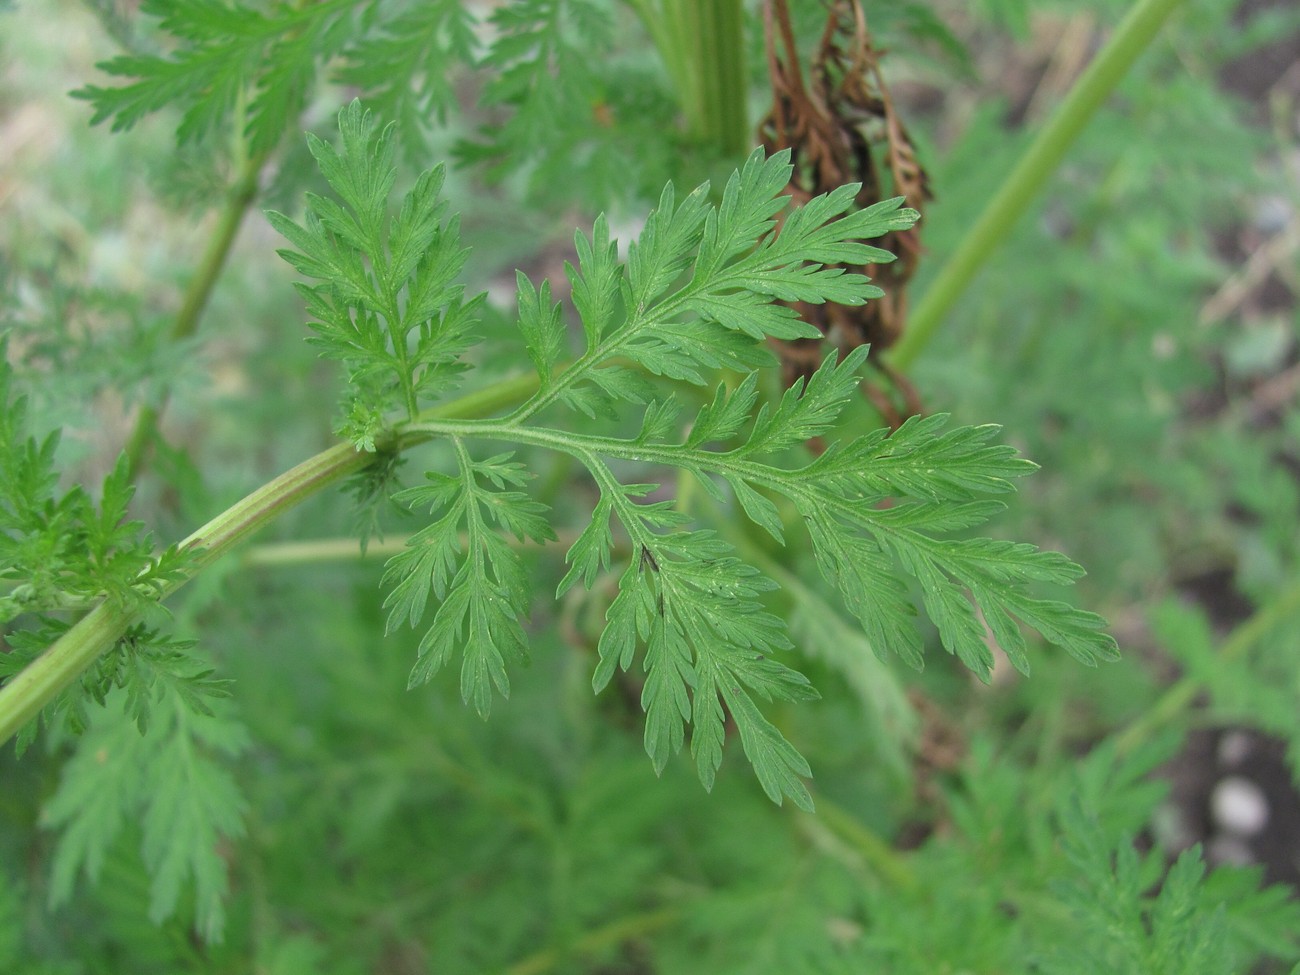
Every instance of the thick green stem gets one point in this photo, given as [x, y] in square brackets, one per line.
[702, 43]
[1029, 176]
[241, 196]
[23, 697]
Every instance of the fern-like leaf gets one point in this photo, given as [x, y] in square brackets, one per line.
[699, 292]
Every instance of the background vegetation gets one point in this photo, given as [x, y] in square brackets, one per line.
[1135, 335]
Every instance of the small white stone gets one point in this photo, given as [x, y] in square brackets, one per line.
[1238, 806]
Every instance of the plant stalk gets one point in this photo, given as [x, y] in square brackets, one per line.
[63, 662]
[598, 939]
[887, 863]
[1023, 184]
[327, 550]
[240, 197]
[22, 698]
[702, 43]
[1181, 694]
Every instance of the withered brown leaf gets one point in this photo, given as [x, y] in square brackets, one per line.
[835, 128]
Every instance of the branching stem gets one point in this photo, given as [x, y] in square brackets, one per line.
[610, 348]
[23, 697]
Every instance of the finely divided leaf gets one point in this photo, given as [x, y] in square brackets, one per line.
[690, 351]
[666, 245]
[697, 294]
[796, 264]
[694, 608]
[917, 460]
[724, 417]
[836, 500]
[810, 234]
[752, 199]
[808, 409]
[405, 64]
[588, 556]
[193, 805]
[225, 53]
[596, 282]
[479, 581]
[669, 673]
[751, 312]
[388, 305]
[870, 586]
[760, 510]
[174, 782]
[777, 763]
[541, 323]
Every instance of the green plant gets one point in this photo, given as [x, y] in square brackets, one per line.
[710, 571]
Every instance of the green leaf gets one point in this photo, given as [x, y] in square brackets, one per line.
[666, 245]
[877, 507]
[589, 555]
[694, 608]
[479, 582]
[223, 53]
[405, 65]
[173, 781]
[750, 202]
[688, 351]
[1133, 916]
[779, 766]
[596, 282]
[547, 84]
[758, 509]
[810, 234]
[870, 587]
[724, 417]
[808, 409]
[916, 460]
[752, 313]
[541, 324]
[388, 307]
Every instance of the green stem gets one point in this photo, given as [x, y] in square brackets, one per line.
[589, 448]
[723, 57]
[485, 401]
[324, 550]
[197, 294]
[702, 44]
[1031, 173]
[23, 697]
[1180, 695]
[887, 863]
[317, 551]
[599, 939]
